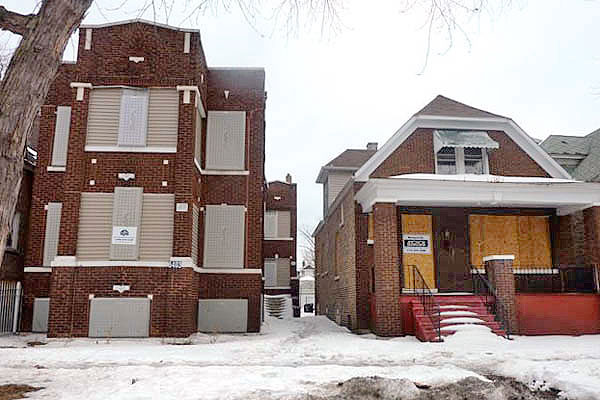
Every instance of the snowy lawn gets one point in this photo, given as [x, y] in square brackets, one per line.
[289, 357]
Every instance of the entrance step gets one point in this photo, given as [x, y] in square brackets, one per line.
[457, 313]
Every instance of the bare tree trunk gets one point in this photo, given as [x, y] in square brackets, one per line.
[23, 90]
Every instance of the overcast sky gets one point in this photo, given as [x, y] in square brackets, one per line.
[537, 62]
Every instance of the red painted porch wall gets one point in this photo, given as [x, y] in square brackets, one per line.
[558, 314]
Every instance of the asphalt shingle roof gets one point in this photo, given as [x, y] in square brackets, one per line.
[443, 106]
[351, 158]
[588, 146]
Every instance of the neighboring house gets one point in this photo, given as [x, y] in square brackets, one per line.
[579, 156]
[458, 200]
[147, 213]
[279, 246]
[11, 269]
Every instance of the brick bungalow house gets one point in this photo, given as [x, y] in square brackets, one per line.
[460, 217]
[148, 202]
[279, 248]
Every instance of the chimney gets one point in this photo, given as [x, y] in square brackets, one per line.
[372, 146]
[288, 179]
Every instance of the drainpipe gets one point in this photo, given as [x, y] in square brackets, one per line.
[17, 308]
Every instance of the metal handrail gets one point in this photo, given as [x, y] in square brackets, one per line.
[483, 287]
[430, 306]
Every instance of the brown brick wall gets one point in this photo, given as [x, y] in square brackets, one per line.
[35, 284]
[336, 280]
[591, 218]
[13, 262]
[165, 65]
[387, 272]
[502, 279]
[415, 155]
[173, 306]
[235, 286]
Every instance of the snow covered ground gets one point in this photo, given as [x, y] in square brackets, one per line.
[289, 357]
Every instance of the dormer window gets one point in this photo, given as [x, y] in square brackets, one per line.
[462, 152]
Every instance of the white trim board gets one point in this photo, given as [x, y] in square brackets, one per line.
[138, 20]
[513, 130]
[129, 149]
[37, 269]
[415, 192]
[229, 270]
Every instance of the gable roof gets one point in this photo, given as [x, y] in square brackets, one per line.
[451, 114]
[349, 160]
[587, 146]
[446, 107]
[138, 20]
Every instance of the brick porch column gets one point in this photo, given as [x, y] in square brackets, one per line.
[500, 274]
[387, 271]
[591, 220]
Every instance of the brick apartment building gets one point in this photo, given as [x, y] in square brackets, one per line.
[460, 214]
[279, 248]
[148, 198]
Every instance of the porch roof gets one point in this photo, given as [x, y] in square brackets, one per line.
[431, 190]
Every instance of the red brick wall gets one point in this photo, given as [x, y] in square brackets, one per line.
[415, 155]
[235, 286]
[591, 218]
[165, 64]
[35, 284]
[288, 202]
[387, 271]
[173, 308]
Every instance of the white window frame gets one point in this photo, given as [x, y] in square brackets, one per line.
[459, 153]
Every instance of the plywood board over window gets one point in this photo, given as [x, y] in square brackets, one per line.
[525, 237]
[418, 225]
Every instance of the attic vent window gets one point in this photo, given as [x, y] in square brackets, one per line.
[462, 152]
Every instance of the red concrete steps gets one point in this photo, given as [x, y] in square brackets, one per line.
[455, 311]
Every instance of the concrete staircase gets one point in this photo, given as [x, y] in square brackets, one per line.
[278, 306]
[457, 313]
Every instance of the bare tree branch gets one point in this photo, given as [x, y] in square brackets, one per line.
[307, 245]
[15, 22]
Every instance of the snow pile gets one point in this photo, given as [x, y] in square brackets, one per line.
[290, 357]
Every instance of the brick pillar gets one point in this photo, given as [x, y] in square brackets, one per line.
[387, 271]
[500, 274]
[591, 220]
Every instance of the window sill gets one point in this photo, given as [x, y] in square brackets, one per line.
[289, 239]
[224, 172]
[278, 287]
[370, 242]
[130, 149]
[52, 168]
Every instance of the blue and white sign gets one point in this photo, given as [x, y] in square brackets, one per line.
[124, 235]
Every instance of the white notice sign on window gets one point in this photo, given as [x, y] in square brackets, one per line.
[124, 235]
[416, 244]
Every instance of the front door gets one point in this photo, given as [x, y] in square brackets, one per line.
[451, 250]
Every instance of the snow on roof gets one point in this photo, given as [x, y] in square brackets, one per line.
[483, 178]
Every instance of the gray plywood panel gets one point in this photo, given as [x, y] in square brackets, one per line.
[119, 317]
[41, 307]
[222, 315]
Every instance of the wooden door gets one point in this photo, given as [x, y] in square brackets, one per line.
[451, 250]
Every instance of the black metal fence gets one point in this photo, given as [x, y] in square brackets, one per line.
[564, 279]
[10, 306]
[494, 305]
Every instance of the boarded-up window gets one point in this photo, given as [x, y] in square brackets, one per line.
[156, 236]
[277, 224]
[126, 219]
[52, 232]
[270, 273]
[277, 272]
[224, 236]
[226, 140]
[95, 227]
[195, 215]
[61, 136]
[198, 139]
[163, 117]
[133, 120]
[103, 117]
[13, 236]
[151, 117]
